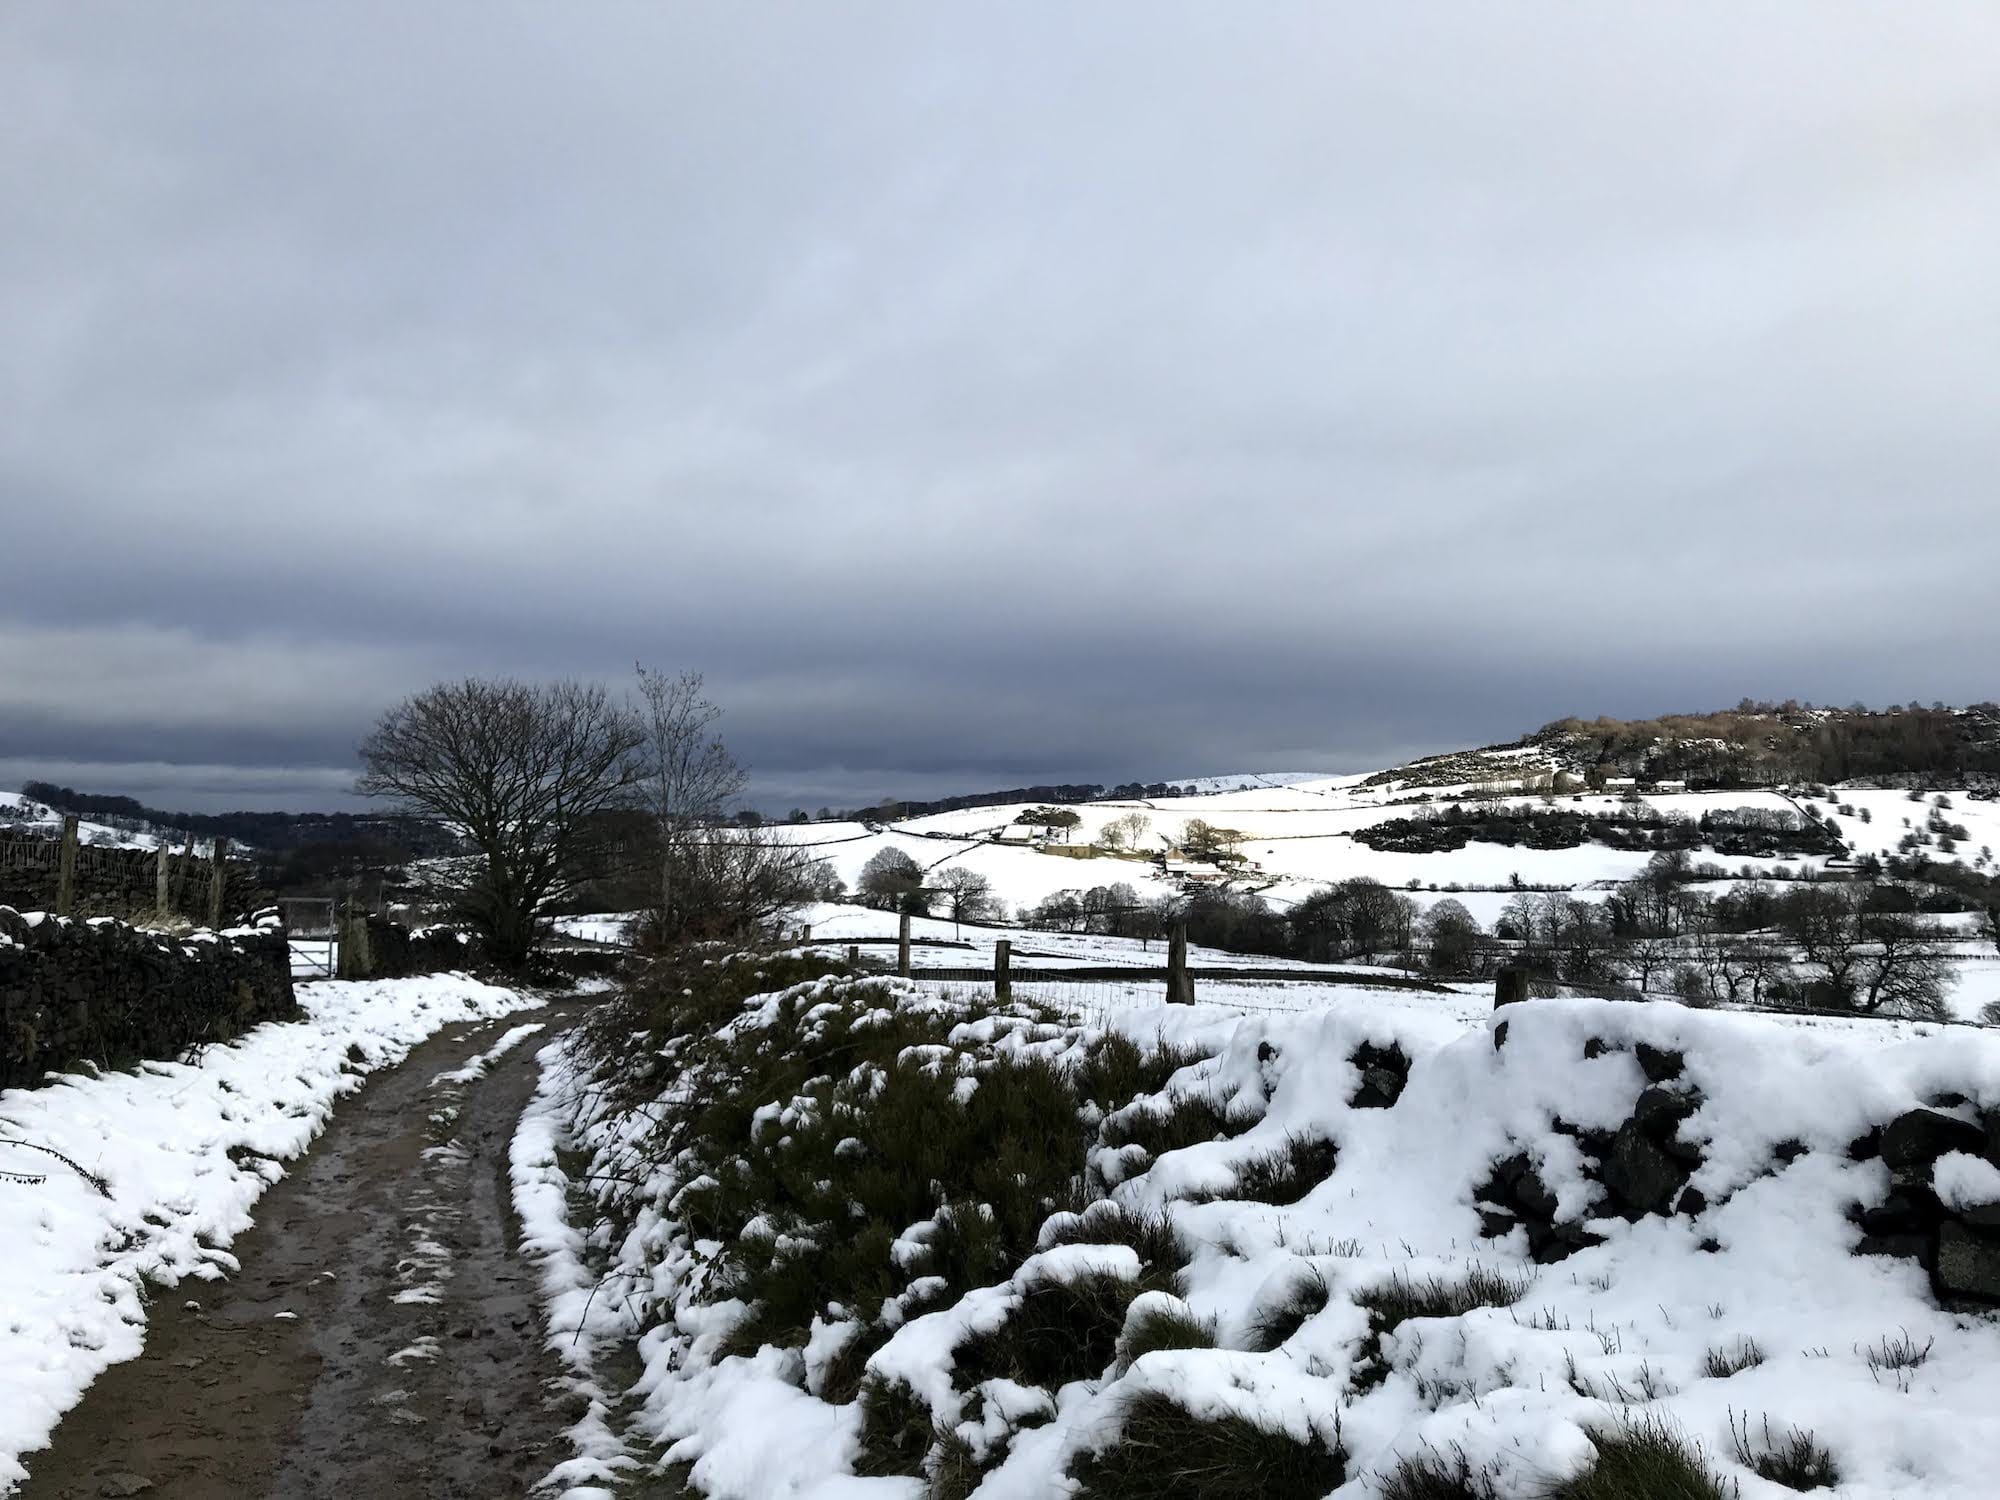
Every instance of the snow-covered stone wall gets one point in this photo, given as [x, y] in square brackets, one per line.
[101, 991]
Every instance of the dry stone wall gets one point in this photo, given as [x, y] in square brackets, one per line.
[123, 883]
[374, 947]
[100, 991]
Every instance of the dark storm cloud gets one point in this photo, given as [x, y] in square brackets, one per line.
[987, 397]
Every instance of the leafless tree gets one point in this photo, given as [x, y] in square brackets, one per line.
[527, 771]
[1885, 962]
[1647, 956]
[968, 895]
[734, 882]
[1750, 966]
[690, 776]
[1203, 840]
[1125, 832]
[1907, 968]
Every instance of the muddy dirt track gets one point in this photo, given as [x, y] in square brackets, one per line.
[382, 1338]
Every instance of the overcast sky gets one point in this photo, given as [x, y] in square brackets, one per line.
[982, 395]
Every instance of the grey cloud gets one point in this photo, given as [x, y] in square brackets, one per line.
[990, 397]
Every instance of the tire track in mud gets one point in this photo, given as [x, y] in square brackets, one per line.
[383, 1336]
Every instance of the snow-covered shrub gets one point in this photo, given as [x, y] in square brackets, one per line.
[1705, 1178]
[1158, 1321]
[1115, 1069]
[1151, 1236]
[1645, 1458]
[1275, 1320]
[1280, 1176]
[1795, 1459]
[1439, 1476]
[1176, 1122]
[1723, 1361]
[1164, 1448]
[1062, 1329]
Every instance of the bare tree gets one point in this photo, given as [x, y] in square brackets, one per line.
[1125, 832]
[526, 771]
[734, 882]
[691, 778]
[1886, 962]
[1907, 968]
[1647, 956]
[968, 895]
[1756, 962]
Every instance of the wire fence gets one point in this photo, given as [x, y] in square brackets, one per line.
[28, 854]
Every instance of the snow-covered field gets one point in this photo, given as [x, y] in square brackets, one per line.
[1758, 1268]
[184, 1151]
[1298, 837]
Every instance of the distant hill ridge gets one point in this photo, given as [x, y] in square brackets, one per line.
[1762, 744]
[1752, 744]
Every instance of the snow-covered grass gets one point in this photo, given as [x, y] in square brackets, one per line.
[1191, 1305]
[184, 1151]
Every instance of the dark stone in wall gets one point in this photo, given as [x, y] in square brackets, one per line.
[1968, 1264]
[1658, 1064]
[1384, 1073]
[1923, 1135]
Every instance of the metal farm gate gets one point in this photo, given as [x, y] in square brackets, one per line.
[314, 933]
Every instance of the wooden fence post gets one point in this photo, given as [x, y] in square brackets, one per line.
[806, 933]
[1180, 988]
[357, 953]
[66, 867]
[853, 955]
[1510, 987]
[163, 893]
[181, 876]
[1003, 975]
[218, 877]
[903, 946]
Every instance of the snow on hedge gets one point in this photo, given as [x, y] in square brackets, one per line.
[1761, 1260]
[184, 1151]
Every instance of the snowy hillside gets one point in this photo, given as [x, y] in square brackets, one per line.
[1302, 836]
[1295, 837]
[19, 812]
